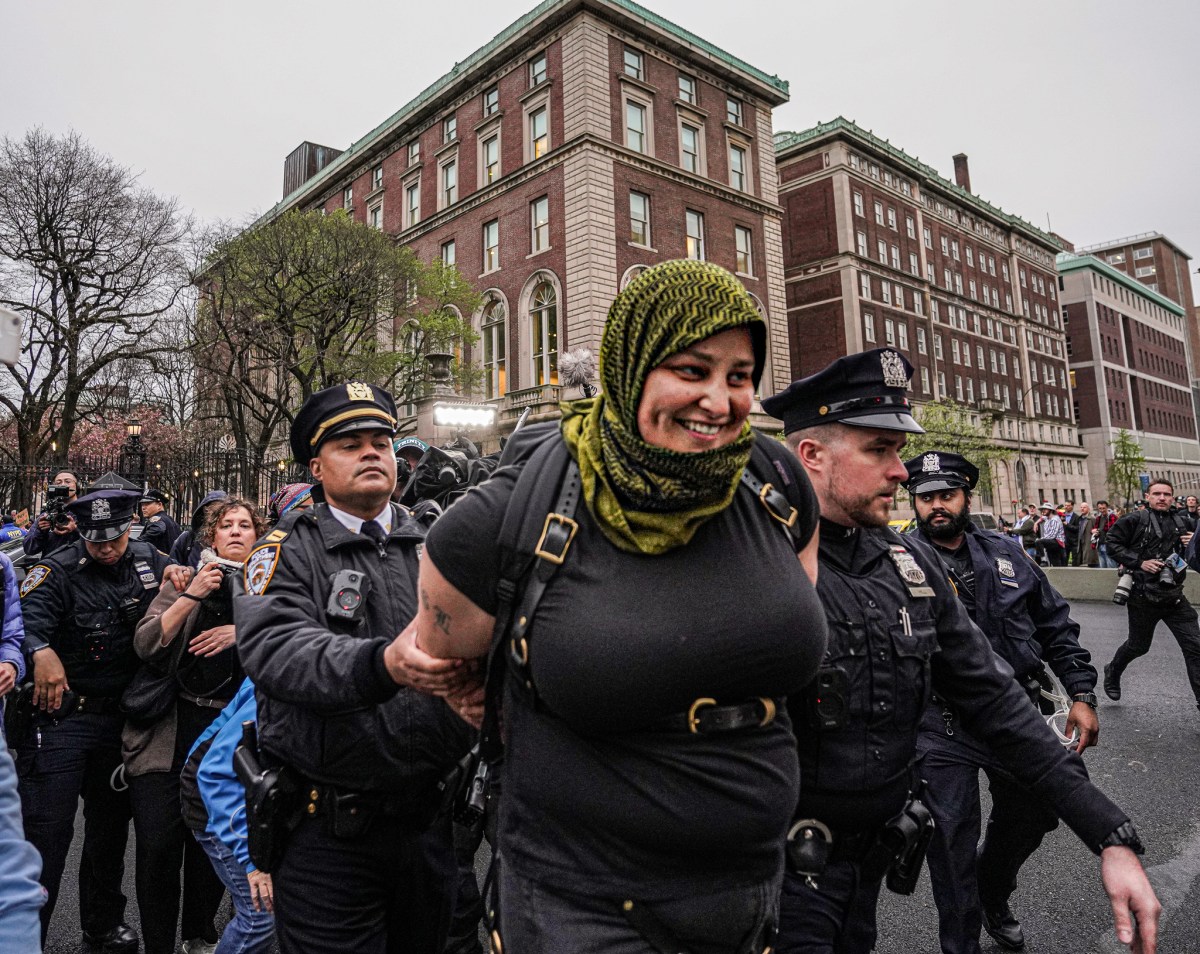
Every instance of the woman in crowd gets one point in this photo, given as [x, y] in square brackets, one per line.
[287, 498]
[637, 803]
[208, 676]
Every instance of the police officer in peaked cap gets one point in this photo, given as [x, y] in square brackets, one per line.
[897, 633]
[1029, 626]
[159, 527]
[366, 866]
[81, 604]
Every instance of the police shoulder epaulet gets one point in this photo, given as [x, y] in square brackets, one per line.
[34, 578]
[275, 536]
[155, 519]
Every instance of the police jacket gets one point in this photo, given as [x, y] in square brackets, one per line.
[161, 531]
[896, 632]
[1026, 619]
[87, 612]
[327, 706]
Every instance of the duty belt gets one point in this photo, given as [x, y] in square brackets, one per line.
[705, 717]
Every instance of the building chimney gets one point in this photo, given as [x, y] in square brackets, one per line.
[962, 175]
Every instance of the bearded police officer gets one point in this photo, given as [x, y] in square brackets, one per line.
[1029, 626]
[81, 605]
[896, 633]
[365, 867]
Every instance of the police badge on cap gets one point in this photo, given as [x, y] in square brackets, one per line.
[105, 514]
[344, 407]
[939, 470]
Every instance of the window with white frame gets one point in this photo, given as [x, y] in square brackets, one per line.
[930, 273]
[412, 204]
[493, 346]
[414, 152]
[920, 340]
[375, 216]
[635, 126]
[733, 110]
[449, 128]
[860, 243]
[739, 168]
[539, 132]
[635, 64]
[918, 302]
[910, 227]
[491, 245]
[864, 285]
[891, 218]
[858, 204]
[970, 255]
[889, 332]
[348, 197]
[903, 332]
[958, 388]
[868, 326]
[687, 89]
[928, 235]
[885, 292]
[491, 100]
[543, 317]
[924, 380]
[377, 177]
[941, 384]
[879, 213]
[694, 226]
[970, 390]
[957, 283]
[743, 246]
[448, 253]
[914, 266]
[945, 245]
[967, 356]
[956, 351]
[881, 248]
[1139, 253]
[449, 182]
[489, 156]
[895, 257]
[539, 224]
[537, 69]
[954, 249]
[689, 147]
[639, 218]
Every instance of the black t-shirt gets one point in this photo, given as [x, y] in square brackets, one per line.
[596, 800]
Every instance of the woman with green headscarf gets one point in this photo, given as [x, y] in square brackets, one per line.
[650, 768]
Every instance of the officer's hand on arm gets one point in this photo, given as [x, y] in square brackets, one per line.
[1135, 907]
[212, 641]
[1185, 538]
[8, 677]
[1082, 717]
[262, 894]
[180, 577]
[411, 666]
[468, 704]
[49, 680]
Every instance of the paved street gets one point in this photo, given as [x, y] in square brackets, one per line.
[1148, 761]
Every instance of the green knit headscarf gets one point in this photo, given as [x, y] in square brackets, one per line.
[647, 499]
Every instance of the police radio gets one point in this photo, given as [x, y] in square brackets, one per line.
[827, 703]
[348, 597]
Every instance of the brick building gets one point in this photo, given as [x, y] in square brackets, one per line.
[1130, 358]
[880, 249]
[588, 140]
[1163, 267]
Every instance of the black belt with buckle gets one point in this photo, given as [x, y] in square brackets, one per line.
[706, 717]
[206, 702]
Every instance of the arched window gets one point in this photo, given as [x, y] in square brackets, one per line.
[632, 272]
[543, 317]
[493, 344]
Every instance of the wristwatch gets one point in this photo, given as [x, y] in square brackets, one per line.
[1088, 697]
[1125, 836]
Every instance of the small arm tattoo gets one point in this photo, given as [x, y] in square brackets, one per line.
[442, 619]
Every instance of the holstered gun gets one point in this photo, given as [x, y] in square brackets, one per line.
[271, 802]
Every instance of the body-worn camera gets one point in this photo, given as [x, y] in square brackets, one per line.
[828, 702]
[348, 597]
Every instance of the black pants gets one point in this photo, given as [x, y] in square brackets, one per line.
[1054, 551]
[463, 937]
[61, 762]
[966, 878]
[837, 916]
[389, 891]
[1181, 620]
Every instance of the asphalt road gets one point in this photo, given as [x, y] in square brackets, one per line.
[1148, 761]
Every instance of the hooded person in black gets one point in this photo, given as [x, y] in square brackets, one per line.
[187, 546]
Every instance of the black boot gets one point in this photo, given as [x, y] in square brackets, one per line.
[119, 940]
[1004, 928]
[1112, 682]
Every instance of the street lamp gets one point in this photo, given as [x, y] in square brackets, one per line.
[135, 454]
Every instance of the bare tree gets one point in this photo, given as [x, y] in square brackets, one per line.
[91, 259]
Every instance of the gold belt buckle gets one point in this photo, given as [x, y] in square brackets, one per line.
[692, 719]
[768, 711]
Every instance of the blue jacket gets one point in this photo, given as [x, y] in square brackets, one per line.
[12, 626]
[222, 791]
[21, 897]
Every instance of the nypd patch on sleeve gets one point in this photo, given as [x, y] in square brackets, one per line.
[260, 567]
[34, 578]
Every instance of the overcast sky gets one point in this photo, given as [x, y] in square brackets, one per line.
[1080, 110]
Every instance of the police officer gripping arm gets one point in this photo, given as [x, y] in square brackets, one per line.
[1148, 544]
[363, 867]
[1029, 626]
[81, 605]
[896, 633]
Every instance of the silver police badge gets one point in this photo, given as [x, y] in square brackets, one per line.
[101, 510]
[1005, 568]
[894, 375]
[931, 464]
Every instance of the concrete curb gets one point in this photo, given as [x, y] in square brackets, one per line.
[1083, 583]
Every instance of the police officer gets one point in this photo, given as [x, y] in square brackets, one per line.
[896, 633]
[160, 529]
[81, 605]
[1029, 626]
[328, 591]
[1143, 542]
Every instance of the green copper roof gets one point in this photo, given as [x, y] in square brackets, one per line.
[1069, 263]
[788, 140]
[354, 153]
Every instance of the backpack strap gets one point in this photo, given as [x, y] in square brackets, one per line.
[767, 477]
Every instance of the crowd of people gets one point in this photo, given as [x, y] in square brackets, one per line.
[693, 690]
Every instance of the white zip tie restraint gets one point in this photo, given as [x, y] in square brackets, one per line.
[1062, 708]
[117, 781]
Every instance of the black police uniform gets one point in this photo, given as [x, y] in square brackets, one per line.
[1134, 538]
[366, 867]
[1029, 625]
[161, 530]
[896, 634]
[86, 612]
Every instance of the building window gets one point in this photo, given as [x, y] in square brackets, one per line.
[889, 332]
[868, 326]
[860, 239]
[348, 197]
[635, 126]
[891, 218]
[1144, 271]
[493, 337]
[375, 217]
[742, 240]
[539, 224]
[537, 69]
[491, 100]
[633, 64]
[414, 152]
[864, 285]
[448, 256]
[924, 380]
[858, 204]
[937, 347]
[377, 177]
[879, 213]
[543, 314]
[1143, 253]
[885, 292]
[687, 89]
[881, 248]
[491, 245]
[639, 218]
[490, 156]
[450, 183]
[689, 146]
[695, 235]
[921, 341]
[733, 110]
[412, 204]
[896, 258]
[539, 135]
[910, 226]
[970, 256]
[449, 128]
[928, 237]
[737, 168]
[913, 265]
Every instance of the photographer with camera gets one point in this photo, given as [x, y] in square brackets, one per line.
[55, 527]
[189, 635]
[1148, 545]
